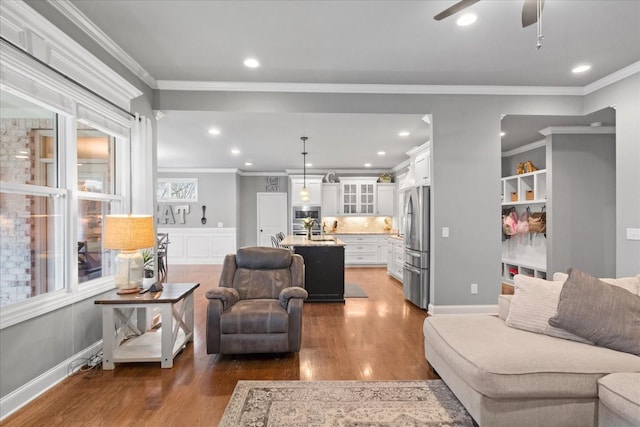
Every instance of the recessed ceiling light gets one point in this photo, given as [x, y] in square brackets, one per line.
[308, 165]
[235, 151]
[581, 68]
[466, 19]
[403, 133]
[23, 152]
[248, 164]
[381, 153]
[214, 131]
[367, 165]
[503, 133]
[22, 157]
[251, 63]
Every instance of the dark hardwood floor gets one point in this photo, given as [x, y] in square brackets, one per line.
[374, 338]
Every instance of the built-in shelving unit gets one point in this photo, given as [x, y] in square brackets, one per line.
[525, 254]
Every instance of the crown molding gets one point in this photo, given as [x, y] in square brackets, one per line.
[79, 19]
[197, 170]
[245, 173]
[525, 148]
[29, 31]
[578, 130]
[366, 88]
[612, 78]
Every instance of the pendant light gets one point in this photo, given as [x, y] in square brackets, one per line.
[304, 193]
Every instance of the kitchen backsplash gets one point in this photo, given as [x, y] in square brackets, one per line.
[358, 224]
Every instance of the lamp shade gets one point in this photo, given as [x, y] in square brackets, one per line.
[128, 232]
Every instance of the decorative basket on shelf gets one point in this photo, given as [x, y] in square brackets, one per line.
[514, 196]
[529, 195]
[385, 177]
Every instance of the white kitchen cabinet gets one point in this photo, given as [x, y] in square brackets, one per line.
[385, 199]
[422, 165]
[331, 200]
[314, 185]
[364, 249]
[395, 260]
[359, 196]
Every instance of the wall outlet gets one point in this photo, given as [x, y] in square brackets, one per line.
[445, 231]
[474, 288]
[219, 225]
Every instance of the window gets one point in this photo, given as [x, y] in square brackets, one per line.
[95, 156]
[30, 203]
[38, 194]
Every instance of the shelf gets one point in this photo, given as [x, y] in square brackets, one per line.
[525, 202]
[524, 264]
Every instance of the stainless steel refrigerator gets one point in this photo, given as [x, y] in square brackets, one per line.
[415, 285]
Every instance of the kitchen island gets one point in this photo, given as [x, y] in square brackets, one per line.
[323, 266]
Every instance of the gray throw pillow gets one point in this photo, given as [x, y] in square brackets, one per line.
[602, 313]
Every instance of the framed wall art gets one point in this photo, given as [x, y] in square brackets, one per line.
[177, 189]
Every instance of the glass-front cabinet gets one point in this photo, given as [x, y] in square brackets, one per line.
[359, 196]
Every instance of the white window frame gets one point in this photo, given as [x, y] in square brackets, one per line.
[29, 79]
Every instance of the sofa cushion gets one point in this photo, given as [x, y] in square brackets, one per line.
[257, 316]
[508, 363]
[621, 393]
[534, 302]
[605, 314]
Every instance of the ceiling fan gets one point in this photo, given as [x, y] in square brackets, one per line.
[531, 10]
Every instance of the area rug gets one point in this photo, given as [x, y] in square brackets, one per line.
[344, 403]
[353, 290]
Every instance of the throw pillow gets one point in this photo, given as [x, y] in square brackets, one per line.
[632, 284]
[603, 313]
[534, 301]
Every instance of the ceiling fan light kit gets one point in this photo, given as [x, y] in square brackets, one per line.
[531, 14]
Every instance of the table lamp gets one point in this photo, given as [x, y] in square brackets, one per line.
[128, 233]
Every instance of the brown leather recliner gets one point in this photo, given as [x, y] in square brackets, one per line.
[257, 307]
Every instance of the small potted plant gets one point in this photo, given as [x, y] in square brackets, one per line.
[147, 259]
[308, 224]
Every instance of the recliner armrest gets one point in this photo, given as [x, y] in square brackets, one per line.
[292, 292]
[228, 296]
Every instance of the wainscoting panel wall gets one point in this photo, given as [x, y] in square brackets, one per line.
[199, 245]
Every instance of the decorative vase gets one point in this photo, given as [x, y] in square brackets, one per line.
[308, 234]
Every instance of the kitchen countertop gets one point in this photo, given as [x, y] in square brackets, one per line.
[315, 241]
[378, 233]
[395, 236]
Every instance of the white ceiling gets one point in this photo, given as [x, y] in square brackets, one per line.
[350, 42]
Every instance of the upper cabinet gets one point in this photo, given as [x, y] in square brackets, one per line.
[331, 205]
[314, 185]
[359, 196]
[385, 200]
[419, 172]
[422, 165]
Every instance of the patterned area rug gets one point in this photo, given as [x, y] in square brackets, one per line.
[344, 403]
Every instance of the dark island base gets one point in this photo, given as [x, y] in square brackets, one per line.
[323, 272]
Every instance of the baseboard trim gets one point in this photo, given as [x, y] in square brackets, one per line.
[438, 310]
[34, 388]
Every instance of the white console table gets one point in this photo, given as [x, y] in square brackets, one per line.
[124, 341]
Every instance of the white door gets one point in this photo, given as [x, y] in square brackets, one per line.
[272, 216]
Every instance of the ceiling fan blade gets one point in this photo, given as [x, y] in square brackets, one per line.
[530, 12]
[454, 9]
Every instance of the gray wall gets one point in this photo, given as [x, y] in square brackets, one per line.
[217, 191]
[250, 186]
[466, 171]
[625, 97]
[537, 157]
[582, 208]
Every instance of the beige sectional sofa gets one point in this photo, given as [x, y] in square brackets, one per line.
[511, 377]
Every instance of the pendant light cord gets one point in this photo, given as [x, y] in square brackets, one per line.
[304, 161]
